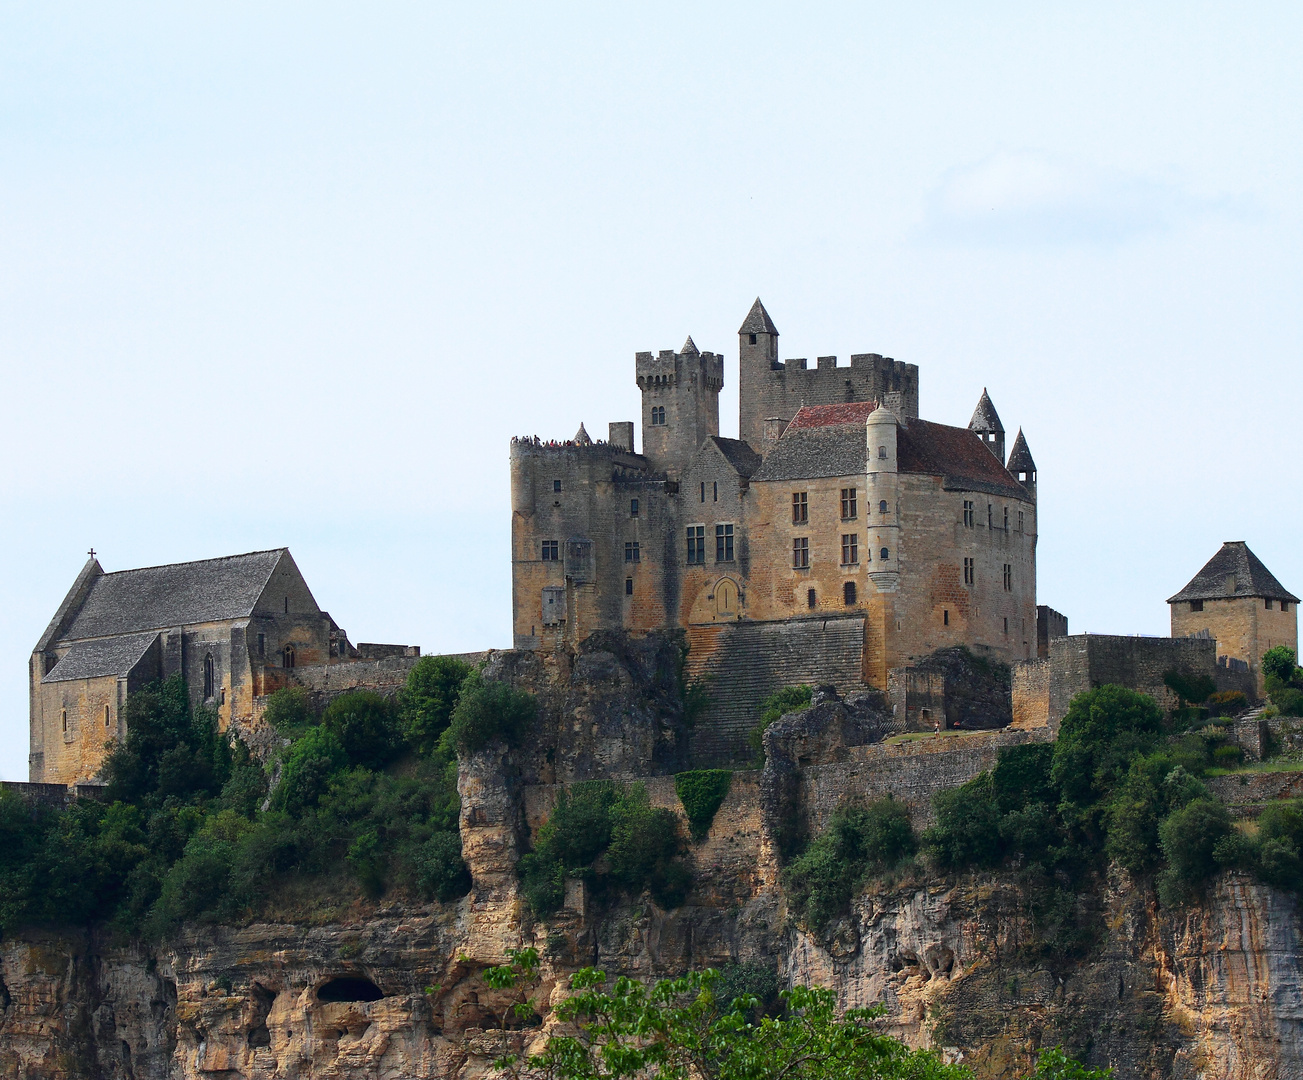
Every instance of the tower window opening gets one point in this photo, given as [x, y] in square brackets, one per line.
[882, 506]
[1020, 521]
[1284, 605]
[990, 516]
[65, 721]
[1008, 577]
[848, 593]
[551, 551]
[633, 507]
[1268, 603]
[658, 416]
[287, 605]
[1196, 605]
[884, 554]
[1006, 625]
[262, 646]
[753, 338]
[556, 485]
[1006, 519]
[882, 453]
[632, 552]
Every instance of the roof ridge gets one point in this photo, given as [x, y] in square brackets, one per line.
[194, 562]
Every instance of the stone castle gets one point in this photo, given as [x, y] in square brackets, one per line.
[837, 500]
[841, 541]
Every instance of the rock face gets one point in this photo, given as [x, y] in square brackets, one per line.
[396, 991]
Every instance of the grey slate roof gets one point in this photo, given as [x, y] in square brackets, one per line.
[689, 348]
[985, 418]
[1237, 561]
[107, 656]
[1020, 457]
[957, 455]
[739, 454]
[758, 321]
[179, 594]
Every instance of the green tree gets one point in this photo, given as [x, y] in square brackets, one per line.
[701, 792]
[1054, 1064]
[485, 711]
[366, 726]
[859, 841]
[1189, 837]
[427, 701]
[967, 828]
[680, 1028]
[1278, 663]
[312, 760]
[1102, 731]
[289, 710]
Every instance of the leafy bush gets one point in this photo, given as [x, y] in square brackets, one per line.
[1101, 732]
[1279, 663]
[440, 872]
[1188, 837]
[702, 792]
[750, 981]
[427, 701]
[486, 711]
[366, 726]
[289, 710]
[313, 759]
[637, 845]
[1288, 700]
[1227, 756]
[775, 707]
[967, 828]
[858, 841]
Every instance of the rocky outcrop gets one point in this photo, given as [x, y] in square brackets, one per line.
[396, 990]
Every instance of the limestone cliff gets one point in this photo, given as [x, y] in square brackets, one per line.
[395, 989]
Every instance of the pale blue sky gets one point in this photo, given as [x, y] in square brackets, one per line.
[294, 274]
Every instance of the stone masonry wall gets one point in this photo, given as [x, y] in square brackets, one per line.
[1031, 694]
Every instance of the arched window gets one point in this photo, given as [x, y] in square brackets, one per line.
[65, 721]
[882, 506]
[882, 453]
[848, 593]
[287, 656]
[106, 716]
[209, 677]
[884, 555]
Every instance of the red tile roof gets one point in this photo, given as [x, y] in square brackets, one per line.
[850, 412]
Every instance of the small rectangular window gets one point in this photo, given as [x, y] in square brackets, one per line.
[1008, 577]
[1196, 605]
[850, 549]
[633, 507]
[990, 516]
[1268, 604]
[970, 572]
[1020, 521]
[556, 485]
[1006, 625]
[945, 617]
[801, 553]
[1284, 605]
[658, 416]
[848, 593]
[631, 552]
[969, 514]
[106, 716]
[800, 508]
[703, 491]
[262, 645]
[810, 599]
[752, 338]
[628, 586]
[1006, 519]
[715, 488]
[696, 545]
[723, 543]
[551, 550]
[849, 508]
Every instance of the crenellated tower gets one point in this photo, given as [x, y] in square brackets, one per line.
[771, 392]
[680, 403]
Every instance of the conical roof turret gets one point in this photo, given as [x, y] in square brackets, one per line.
[985, 418]
[758, 321]
[581, 436]
[1020, 457]
[689, 348]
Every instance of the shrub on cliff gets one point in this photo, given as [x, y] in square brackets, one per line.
[485, 711]
[1189, 838]
[366, 725]
[858, 842]
[289, 710]
[312, 760]
[701, 792]
[775, 707]
[610, 836]
[1099, 735]
[427, 701]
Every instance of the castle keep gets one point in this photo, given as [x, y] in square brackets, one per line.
[837, 506]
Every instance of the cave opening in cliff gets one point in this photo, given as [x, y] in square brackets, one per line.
[349, 988]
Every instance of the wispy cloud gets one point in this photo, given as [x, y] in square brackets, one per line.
[1031, 199]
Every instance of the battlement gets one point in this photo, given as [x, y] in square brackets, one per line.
[667, 369]
[523, 446]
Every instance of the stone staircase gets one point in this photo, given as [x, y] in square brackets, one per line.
[742, 663]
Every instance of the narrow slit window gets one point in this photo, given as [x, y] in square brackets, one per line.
[945, 617]
[1008, 577]
[703, 491]
[106, 716]
[556, 485]
[715, 489]
[209, 677]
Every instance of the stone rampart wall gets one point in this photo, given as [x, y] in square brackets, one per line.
[1031, 694]
[385, 676]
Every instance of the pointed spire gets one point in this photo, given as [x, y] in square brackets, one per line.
[758, 321]
[1020, 457]
[581, 436]
[985, 418]
[689, 348]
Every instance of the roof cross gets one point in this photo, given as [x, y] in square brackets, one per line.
[91, 553]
